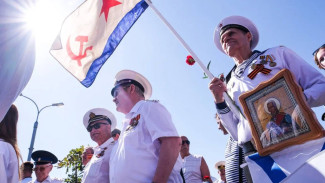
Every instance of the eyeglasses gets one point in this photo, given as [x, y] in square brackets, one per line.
[118, 90]
[221, 167]
[186, 141]
[96, 126]
[41, 169]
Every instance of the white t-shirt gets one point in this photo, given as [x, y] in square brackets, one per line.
[136, 157]
[8, 163]
[97, 169]
[26, 180]
[49, 180]
[192, 168]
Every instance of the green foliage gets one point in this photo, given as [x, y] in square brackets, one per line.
[73, 164]
[208, 67]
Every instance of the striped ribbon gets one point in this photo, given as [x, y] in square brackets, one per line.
[259, 68]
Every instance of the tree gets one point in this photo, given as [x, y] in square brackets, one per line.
[73, 164]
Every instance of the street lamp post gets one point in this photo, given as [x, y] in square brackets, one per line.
[31, 147]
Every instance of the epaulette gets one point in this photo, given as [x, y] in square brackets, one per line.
[156, 101]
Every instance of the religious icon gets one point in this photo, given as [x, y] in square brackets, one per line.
[278, 114]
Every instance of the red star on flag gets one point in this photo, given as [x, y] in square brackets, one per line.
[107, 4]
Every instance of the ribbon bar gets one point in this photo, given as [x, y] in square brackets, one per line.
[259, 68]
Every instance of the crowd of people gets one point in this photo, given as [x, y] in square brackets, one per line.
[148, 148]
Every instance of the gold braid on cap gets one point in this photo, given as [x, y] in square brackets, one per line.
[93, 117]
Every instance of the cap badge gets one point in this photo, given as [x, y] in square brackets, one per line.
[92, 115]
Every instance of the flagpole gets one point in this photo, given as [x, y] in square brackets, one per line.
[229, 101]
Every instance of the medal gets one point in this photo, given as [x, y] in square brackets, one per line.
[253, 66]
[263, 62]
[272, 64]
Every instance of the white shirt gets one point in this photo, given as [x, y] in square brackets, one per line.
[311, 81]
[192, 168]
[135, 159]
[219, 181]
[26, 180]
[17, 55]
[97, 169]
[8, 163]
[49, 180]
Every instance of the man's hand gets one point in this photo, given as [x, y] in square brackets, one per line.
[169, 151]
[217, 87]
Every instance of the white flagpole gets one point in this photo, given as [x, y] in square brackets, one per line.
[229, 101]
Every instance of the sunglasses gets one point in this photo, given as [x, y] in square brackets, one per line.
[186, 141]
[96, 126]
[41, 169]
[118, 90]
[221, 167]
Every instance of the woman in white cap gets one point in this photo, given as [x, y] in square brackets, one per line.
[237, 36]
[9, 152]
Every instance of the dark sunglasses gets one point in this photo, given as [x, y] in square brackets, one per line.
[41, 169]
[186, 141]
[221, 167]
[96, 126]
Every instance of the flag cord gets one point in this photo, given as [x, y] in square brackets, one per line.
[229, 101]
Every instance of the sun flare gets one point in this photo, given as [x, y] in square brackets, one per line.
[44, 18]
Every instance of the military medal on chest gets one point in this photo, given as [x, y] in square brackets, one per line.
[101, 153]
[133, 122]
[257, 68]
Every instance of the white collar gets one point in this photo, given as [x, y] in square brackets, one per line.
[48, 179]
[135, 108]
[105, 144]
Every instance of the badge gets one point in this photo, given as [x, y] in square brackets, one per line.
[133, 122]
[272, 64]
[101, 153]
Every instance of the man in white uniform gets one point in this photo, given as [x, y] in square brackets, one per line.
[148, 148]
[99, 122]
[44, 161]
[237, 36]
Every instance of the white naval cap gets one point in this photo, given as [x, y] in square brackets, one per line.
[131, 77]
[219, 163]
[99, 114]
[235, 22]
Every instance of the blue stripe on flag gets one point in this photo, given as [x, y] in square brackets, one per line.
[323, 147]
[269, 166]
[113, 41]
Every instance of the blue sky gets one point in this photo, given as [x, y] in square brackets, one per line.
[152, 50]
